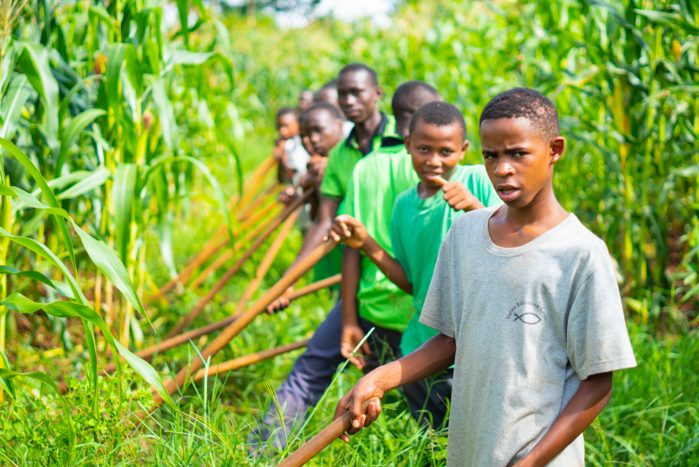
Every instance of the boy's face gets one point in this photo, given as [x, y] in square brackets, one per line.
[288, 126]
[436, 151]
[357, 95]
[305, 100]
[519, 159]
[323, 131]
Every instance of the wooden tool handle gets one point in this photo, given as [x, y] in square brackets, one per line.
[320, 441]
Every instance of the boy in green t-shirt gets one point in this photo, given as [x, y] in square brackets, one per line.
[420, 220]
[527, 307]
[368, 298]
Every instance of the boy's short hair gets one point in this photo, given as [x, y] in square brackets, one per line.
[439, 114]
[284, 111]
[411, 92]
[360, 67]
[331, 109]
[524, 103]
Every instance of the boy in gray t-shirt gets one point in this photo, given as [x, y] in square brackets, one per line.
[527, 306]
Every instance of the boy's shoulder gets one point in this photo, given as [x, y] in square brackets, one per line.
[568, 241]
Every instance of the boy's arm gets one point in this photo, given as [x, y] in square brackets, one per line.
[352, 233]
[433, 357]
[352, 333]
[589, 400]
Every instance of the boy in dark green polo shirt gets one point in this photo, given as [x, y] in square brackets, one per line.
[421, 219]
[359, 94]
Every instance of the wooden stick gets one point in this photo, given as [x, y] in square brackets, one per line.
[266, 262]
[256, 179]
[234, 364]
[248, 210]
[221, 260]
[238, 325]
[211, 247]
[320, 441]
[315, 286]
[298, 204]
[146, 354]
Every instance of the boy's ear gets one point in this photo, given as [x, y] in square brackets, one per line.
[379, 92]
[464, 147]
[558, 147]
[407, 143]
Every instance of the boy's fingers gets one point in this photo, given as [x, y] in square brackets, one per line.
[373, 411]
[440, 181]
[344, 437]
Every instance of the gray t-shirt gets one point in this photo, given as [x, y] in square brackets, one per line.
[530, 323]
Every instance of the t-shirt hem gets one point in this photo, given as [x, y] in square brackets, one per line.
[615, 364]
[435, 323]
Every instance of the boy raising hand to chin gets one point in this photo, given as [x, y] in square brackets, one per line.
[527, 308]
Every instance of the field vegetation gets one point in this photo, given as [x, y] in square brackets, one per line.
[128, 140]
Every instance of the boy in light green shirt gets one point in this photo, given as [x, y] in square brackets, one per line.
[420, 220]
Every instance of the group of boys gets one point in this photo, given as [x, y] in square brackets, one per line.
[486, 298]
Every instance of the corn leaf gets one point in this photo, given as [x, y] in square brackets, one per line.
[34, 60]
[96, 180]
[110, 265]
[48, 195]
[124, 194]
[70, 135]
[12, 104]
[63, 309]
[39, 277]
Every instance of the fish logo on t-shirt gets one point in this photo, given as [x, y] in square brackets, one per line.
[528, 312]
[527, 318]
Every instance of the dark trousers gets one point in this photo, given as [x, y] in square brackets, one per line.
[313, 372]
[428, 399]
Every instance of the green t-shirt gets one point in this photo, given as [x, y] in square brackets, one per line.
[376, 182]
[418, 227]
[341, 160]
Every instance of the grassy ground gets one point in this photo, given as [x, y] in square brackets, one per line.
[652, 419]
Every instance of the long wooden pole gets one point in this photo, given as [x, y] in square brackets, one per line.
[320, 441]
[196, 333]
[266, 262]
[246, 318]
[298, 204]
[234, 364]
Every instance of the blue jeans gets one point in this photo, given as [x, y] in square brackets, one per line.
[313, 372]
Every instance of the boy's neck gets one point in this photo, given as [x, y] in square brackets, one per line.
[512, 227]
[365, 130]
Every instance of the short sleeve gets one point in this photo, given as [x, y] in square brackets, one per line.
[437, 312]
[397, 241]
[331, 186]
[597, 338]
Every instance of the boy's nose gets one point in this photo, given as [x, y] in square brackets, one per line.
[504, 169]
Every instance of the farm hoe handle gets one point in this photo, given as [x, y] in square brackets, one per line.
[320, 441]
